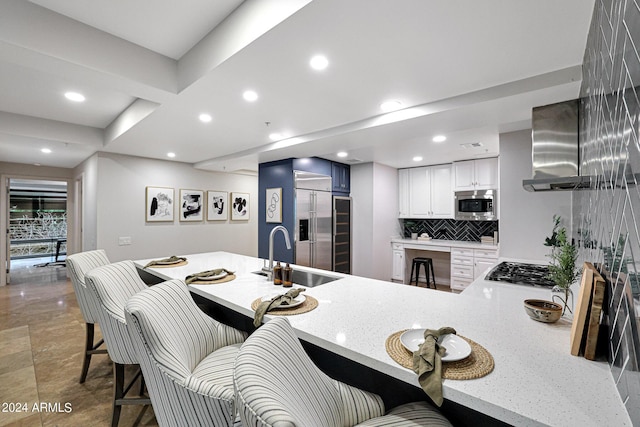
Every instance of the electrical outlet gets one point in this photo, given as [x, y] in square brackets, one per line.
[123, 241]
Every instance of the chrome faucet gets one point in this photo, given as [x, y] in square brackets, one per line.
[269, 271]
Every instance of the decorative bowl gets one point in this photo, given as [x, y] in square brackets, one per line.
[543, 311]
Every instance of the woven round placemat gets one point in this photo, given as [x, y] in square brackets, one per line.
[477, 365]
[309, 304]
[227, 278]
[177, 264]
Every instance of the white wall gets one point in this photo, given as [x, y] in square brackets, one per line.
[87, 173]
[362, 208]
[525, 218]
[374, 189]
[120, 209]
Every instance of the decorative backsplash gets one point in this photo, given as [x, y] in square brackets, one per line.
[606, 218]
[450, 229]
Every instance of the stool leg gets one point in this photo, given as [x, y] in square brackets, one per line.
[413, 264]
[433, 275]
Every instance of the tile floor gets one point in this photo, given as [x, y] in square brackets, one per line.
[41, 343]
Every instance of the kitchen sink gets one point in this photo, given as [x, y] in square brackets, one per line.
[306, 278]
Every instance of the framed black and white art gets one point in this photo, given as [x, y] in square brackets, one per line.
[274, 205]
[159, 204]
[239, 206]
[191, 205]
[217, 205]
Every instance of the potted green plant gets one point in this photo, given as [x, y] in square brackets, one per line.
[562, 269]
[412, 228]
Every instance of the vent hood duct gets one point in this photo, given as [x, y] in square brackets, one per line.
[555, 152]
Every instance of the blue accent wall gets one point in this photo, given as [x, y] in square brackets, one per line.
[277, 174]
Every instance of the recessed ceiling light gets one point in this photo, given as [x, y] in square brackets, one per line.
[204, 118]
[46, 150]
[275, 136]
[342, 154]
[170, 154]
[319, 62]
[390, 105]
[439, 138]
[417, 159]
[74, 96]
[250, 95]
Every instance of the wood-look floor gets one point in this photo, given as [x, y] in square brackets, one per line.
[41, 345]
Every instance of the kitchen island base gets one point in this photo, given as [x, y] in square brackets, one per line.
[392, 391]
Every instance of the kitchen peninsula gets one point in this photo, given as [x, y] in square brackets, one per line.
[535, 381]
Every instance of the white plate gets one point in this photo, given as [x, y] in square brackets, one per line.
[457, 348]
[296, 301]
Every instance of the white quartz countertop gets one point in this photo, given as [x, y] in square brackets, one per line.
[445, 243]
[536, 381]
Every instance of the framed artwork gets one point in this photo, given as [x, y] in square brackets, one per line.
[191, 205]
[159, 204]
[217, 205]
[274, 205]
[239, 206]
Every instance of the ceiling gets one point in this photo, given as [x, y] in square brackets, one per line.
[466, 69]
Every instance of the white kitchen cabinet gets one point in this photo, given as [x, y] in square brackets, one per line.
[480, 265]
[397, 271]
[425, 192]
[481, 174]
[469, 264]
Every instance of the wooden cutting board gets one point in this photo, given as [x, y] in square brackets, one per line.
[581, 311]
[594, 316]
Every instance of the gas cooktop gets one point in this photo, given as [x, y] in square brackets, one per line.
[521, 273]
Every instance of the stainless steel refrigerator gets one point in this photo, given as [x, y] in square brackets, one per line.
[313, 220]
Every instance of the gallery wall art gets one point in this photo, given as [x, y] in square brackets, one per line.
[159, 204]
[191, 205]
[274, 205]
[217, 205]
[239, 206]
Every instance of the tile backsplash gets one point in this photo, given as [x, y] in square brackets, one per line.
[606, 218]
[449, 229]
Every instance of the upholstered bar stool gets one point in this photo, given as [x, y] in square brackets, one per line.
[78, 265]
[186, 357]
[427, 263]
[111, 287]
[277, 384]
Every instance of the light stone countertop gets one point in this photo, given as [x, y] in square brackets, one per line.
[444, 244]
[536, 381]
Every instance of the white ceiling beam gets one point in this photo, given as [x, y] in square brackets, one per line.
[33, 127]
[249, 21]
[53, 40]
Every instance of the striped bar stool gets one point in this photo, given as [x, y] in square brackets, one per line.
[427, 263]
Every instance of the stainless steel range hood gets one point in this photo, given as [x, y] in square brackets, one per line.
[555, 151]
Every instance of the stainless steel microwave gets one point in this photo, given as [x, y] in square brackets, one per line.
[478, 205]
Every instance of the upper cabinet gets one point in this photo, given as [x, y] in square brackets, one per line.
[341, 178]
[425, 192]
[481, 174]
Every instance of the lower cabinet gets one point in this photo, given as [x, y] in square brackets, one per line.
[469, 264]
[397, 268]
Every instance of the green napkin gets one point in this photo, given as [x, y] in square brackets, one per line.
[207, 276]
[166, 261]
[427, 363]
[275, 302]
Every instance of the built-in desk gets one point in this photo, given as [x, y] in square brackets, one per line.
[456, 263]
